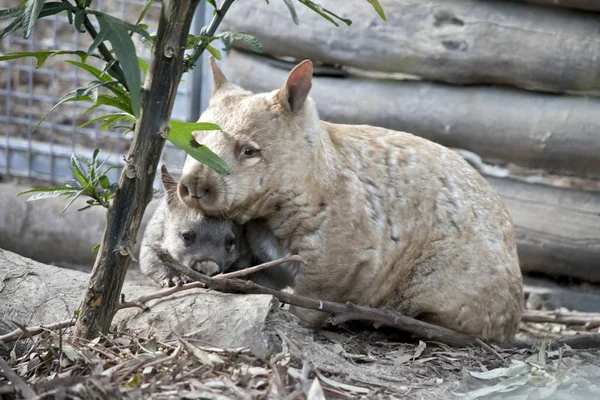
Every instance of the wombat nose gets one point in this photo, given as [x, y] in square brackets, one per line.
[207, 267]
[190, 191]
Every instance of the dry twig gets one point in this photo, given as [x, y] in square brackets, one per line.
[587, 320]
[251, 270]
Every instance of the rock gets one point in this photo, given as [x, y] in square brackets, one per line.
[32, 293]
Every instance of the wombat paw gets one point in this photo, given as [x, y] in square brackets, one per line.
[175, 281]
[167, 282]
[309, 318]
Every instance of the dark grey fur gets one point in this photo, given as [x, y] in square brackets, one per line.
[208, 245]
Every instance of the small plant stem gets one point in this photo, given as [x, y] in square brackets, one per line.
[115, 69]
[212, 29]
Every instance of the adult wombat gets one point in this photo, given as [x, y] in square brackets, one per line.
[384, 218]
[208, 245]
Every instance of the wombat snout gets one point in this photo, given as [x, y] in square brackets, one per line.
[206, 267]
[191, 191]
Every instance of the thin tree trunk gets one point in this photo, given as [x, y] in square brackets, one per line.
[101, 299]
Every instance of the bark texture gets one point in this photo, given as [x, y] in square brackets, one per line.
[135, 186]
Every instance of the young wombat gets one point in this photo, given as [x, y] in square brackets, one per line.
[208, 245]
[384, 218]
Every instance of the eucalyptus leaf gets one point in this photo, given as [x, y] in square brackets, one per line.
[51, 194]
[292, 8]
[42, 56]
[325, 13]
[378, 8]
[12, 12]
[248, 40]
[114, 87]
[180, 136]
[117, 33]
[144, 11]
[111, 101]
[33, 8]
[214, 52]
[517, 368]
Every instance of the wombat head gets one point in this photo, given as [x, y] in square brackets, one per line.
[268, 140]
[204, 244]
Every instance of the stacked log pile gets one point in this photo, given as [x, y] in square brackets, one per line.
[515, 83]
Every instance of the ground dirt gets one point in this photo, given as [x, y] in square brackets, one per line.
[347, 362]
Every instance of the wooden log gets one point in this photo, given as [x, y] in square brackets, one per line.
[558, 230]
[33, 229]
[459, 42]
[556, 132]
[587, 5]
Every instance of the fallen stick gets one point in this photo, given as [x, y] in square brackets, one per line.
[348, 312]
[341, 312]
[587, 320]
[251, 270]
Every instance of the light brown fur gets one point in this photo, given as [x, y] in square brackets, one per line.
[384, 218]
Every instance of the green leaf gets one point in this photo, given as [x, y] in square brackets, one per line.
[31, 14]
[92, 70]
[79, 19]
[212, 3]
[21, 16]
[214, 52]
[13, 26]
[292, 8]
[42, 56]
[95, 248]
[71, 202]
[12, 12]
[144, 11]
[104, 182]
[116, 32]
[105, 77]
[112, 118]
[49, 195]
[378, 8]
[84, 93]
[111, 101]
[181, 136]
[92, 165]
[325, 13]
[61, 189]
[248, 40]
[65, 100]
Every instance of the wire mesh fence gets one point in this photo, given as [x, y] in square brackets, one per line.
[27, 93]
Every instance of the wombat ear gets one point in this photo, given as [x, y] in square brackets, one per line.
[219, 80]
[297, 86]
[169, 183]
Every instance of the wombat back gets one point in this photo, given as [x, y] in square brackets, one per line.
[384, 218]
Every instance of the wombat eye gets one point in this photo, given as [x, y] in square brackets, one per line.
[229, 241]
[188, 237]
[248, 151]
